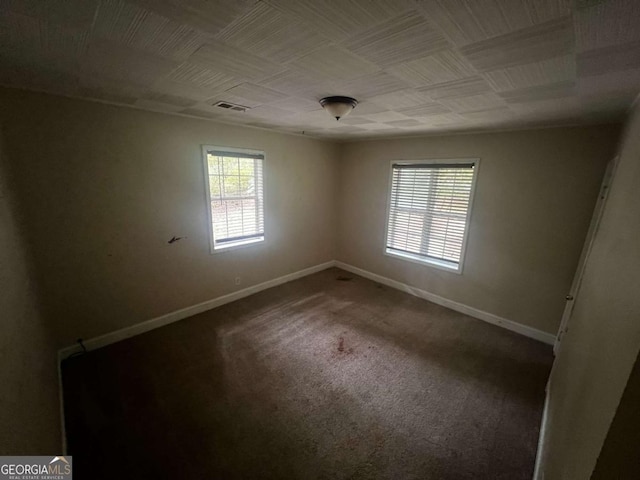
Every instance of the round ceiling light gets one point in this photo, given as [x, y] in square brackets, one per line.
[338, 107]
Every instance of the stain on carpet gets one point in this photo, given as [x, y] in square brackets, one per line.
[342, 349]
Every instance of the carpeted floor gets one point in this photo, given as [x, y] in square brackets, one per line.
[328, 377]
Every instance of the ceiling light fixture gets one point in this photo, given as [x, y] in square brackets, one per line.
[338, 107]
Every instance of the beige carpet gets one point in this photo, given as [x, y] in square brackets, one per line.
[330, 376]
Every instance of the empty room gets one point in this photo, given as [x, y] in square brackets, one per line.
[320, 239]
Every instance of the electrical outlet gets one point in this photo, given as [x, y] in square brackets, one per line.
[238, 280]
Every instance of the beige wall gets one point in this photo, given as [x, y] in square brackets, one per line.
[29, 408]
[534, 198]
[104, 188]
[599, 350]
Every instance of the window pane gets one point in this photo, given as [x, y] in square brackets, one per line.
[219, 218]
[214, 187]
[213, 163]
[246, 166]
[231, 186]
[230, 165]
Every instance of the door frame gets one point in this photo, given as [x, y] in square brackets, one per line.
[570, 299]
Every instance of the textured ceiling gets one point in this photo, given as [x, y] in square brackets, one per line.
[416, 66]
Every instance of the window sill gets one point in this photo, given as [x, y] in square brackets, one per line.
[435, 263]
[235, 245]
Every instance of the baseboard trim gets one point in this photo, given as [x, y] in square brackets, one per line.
[152, 324]
[538, 472]
[458, 307]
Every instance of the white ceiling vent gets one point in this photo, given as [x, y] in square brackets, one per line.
[231, 106]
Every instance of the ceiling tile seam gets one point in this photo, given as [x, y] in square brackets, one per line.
[463, 94]
[219, 36]
[373, 25]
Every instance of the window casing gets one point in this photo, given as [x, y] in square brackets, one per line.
[429, 210]
[235, 196]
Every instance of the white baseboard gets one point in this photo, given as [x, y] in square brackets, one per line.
[458, 307]
[152, 324]
[538, 472]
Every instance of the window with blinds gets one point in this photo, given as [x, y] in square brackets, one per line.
[429, 209]
[236, 196]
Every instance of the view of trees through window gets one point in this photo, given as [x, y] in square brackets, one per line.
[235, 189]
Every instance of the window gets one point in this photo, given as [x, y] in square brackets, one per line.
[235, 196]
[429, 208]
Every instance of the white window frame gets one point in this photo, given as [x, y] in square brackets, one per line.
[207, 192]
[433, 262]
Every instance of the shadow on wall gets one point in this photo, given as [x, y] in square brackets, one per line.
[29, 399]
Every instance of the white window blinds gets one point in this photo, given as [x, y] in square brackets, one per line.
[236, 193]
[429, 211]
